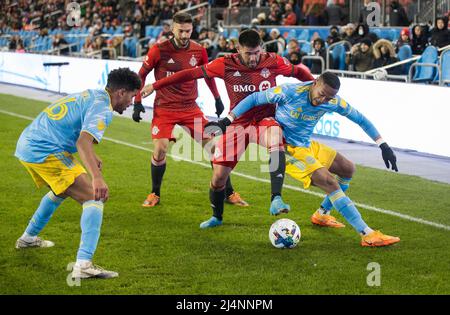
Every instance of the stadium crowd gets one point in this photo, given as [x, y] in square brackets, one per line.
[108, 24]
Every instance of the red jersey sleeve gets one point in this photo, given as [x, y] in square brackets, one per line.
[211, 70]
[214, 69]
[152, 58]
[150, 61]
[299, 71]
[210, 82]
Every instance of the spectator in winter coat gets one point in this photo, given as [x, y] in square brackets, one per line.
[397, 15]
[440, 35]
[334, 36]
[384, 54]
[419, 40]
[404, 39]
[361, 56]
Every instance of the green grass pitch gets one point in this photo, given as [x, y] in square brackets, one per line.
[163, 251]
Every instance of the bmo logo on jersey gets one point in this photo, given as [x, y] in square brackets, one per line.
[264, 85]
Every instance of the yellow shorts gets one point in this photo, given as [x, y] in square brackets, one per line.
[302, 162]
[58, 171]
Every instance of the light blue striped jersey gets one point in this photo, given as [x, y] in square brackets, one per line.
[58, 127]
[296, 114]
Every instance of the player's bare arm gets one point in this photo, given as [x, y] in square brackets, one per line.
[88, 157]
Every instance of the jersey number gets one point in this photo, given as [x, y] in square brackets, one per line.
[58, 110]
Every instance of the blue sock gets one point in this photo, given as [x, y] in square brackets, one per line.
[91, 222]
[44, 212]
[344, 183]
[345, 206]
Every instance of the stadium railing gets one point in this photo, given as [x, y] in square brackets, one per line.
[335, 45]
[427, 67]
[322, 61]
[367, 75]
[139, 45]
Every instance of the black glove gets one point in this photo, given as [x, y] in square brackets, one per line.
[216, 128]
[219, 107]
[388, 156]
[137, 109]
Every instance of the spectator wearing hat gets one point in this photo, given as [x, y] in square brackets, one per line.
[350, 34]
[361, 56]
[440, 35]
[404, 39]
[419, 40]
[279, 43]
[261, 17]
[334, 36]
[384, 54]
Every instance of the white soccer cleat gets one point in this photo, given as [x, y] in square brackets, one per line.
[89, 270]
[38, 242]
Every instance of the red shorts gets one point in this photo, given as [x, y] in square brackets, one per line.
[163, 122]
[230, 146]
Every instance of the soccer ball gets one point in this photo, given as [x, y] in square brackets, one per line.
[284, 233]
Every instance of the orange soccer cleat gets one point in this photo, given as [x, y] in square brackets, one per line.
[151, 201]
[325, 220]
[235, 199]
[377, 239]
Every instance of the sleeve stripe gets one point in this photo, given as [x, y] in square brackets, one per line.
[204, 72]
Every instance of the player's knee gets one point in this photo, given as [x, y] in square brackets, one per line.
[274, 137]
[219, 180]
[325, 180]
[349, 169]
[331, 183]
[159, 153]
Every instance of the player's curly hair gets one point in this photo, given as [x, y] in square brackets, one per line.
[123, 78]
[331, 79]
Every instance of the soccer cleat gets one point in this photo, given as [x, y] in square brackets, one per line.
[151, 201]
[278, 206]
[377, 239]
[235, 199]
[212, 222]
[325, 220]
[38, 242]
[90, 270]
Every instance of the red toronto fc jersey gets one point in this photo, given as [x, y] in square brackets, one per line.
[166, 58]
[241, 81]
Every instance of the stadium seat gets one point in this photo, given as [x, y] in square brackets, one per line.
[405, 52]
[304, 35]
[234, 33]
[338, 55]
[148, 31]
[119, 30]
[291, 34]
[377, 32]
[445, 67]
[156, 31]
[424, 69]
[306, 47]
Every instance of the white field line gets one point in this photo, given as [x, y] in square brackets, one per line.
[320, 195]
